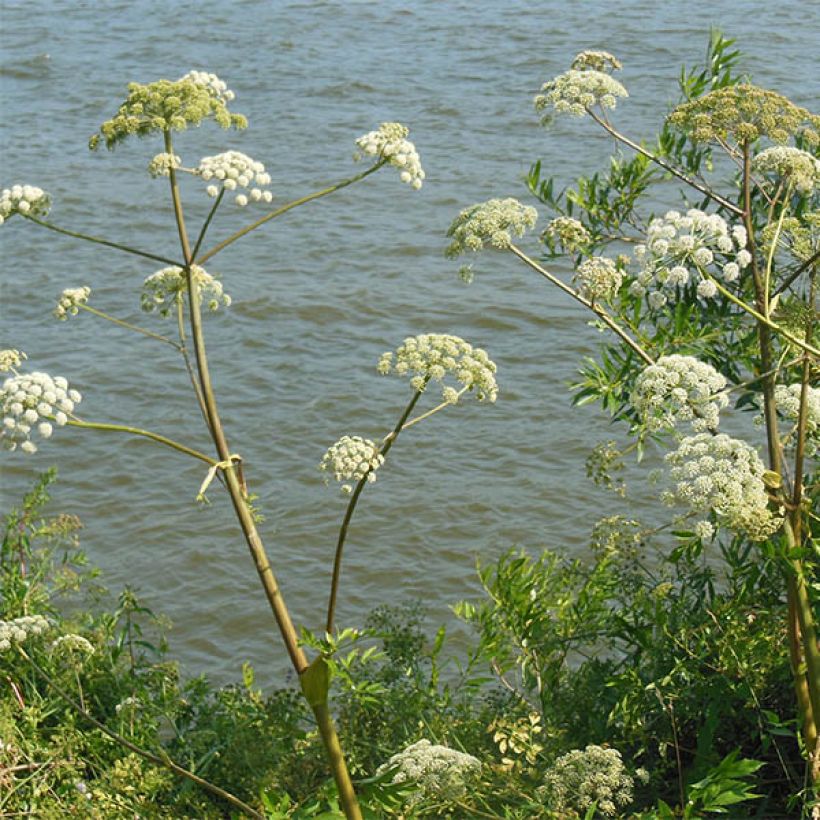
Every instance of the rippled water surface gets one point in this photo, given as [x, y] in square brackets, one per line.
[322, 292]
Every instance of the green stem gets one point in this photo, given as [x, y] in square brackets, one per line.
[351, 507]
[596, 309]
[128, 326]
[97, 241]
[207, 223]
[238, 498]
[136, 431]
[156, 759]
[436, 409]
[770, 261]
[284, 209]
[810, 263]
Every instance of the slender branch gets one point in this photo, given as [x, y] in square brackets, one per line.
[207, 223]
[128, 326]
[96, 240]
[596, 309]
[159, 760]
[772, 372]
[665, 165]
[183, 349]
[770, 260]
[284, 209]
[351, 507]
[136, 431]
[436, 409]
[811, 262]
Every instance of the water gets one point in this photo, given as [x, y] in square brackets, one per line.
[322, 292]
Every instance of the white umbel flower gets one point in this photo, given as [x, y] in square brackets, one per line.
[787, 398]
[789, 163]
[11, 359]
[161, 165]
[390, 142]
[32, 401]
[433, 356]
[575, 92]
[599, 277]
[680, 388]
[218, 88]
[161, 289]
[724, 475]
[18, 630]
[493, 222]
[70, 301]
[350, 459]
[233, 170]
[569, 232]
[23, 199]
[596, 60]
[439, 773]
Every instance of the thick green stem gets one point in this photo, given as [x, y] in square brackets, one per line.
[239, 500]
[284, 209]
[97, 241]
[137, 431]
[596, 309]
[351, 507]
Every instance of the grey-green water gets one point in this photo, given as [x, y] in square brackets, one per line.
[321, 293]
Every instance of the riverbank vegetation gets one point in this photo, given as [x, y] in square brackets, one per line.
[672, 671]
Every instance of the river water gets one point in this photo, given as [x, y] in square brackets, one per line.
[320, 293]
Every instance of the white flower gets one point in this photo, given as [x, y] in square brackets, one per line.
[724, 475]
[569, 232]
[10, 359]
[798, 167]
[72, 646]
[493, 222]
[787, 399]
[161, 289]
[18, 630]
[70, 301]
[235, 170]
[599, 278]
[352, 458]
[390, 143]
[23, 199]
[704, 530]
[439, 773]
[432, 356]
[161, 165]
[575, 92]
[32, 400]
[595, 60]
[706, 289]
[217, 87]
[679, 388]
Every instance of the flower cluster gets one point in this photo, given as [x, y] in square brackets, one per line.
[10, 359]
[678, 245]
[169, 105]
[680, 388]
[18, 630]
[440, 773]
[23, 199]
[434, 355]
[745, 113]
[599, 278]
[236, 170]
[569, 232]
[798, 167]
[494, 222]
[72, 646]
[596, 60]
[580, 778]
[787, 398]
[352, 458]
[390, 143]
[70, 301]
[575, 92]
[161, 289]
[725, 475]
[161, 164]
[34, 400]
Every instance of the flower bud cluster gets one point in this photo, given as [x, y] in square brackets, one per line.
[440, 773]
[236, 170]
[569, 232]
[434, 355]
[599, 277]
[390, 143]
[724, 475]
[596, 60]
[787, 398]
[18, 630]
[679, 247]
[10, 359]
[352, 458]
[574, 92]
[680, 388]
[494, 222]
[31, 401]
[23, 199]
[161, 164]
[161, 289]
[580, 778]
[218, 88]
[70, 301]
[71, 645]
[798, 167]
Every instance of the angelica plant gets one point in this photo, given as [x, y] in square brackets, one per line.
[33, 404]
[709, 306]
